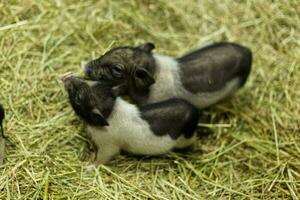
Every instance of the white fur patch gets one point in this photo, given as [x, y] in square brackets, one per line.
[168, 84]
[128, 131]
[166, 81]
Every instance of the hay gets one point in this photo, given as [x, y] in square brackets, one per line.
[253, 150]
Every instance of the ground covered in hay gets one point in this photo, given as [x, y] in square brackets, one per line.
[250, 144]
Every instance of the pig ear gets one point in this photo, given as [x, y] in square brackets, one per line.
[143, 79]
[148, 47]
[98, 118]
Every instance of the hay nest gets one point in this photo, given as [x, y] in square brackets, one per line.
[252, 150]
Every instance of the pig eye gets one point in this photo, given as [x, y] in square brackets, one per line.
[117, 71]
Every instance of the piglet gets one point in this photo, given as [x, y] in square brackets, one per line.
[203, 77]
[113, 124]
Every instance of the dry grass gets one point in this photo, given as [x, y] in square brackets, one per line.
[253, 150]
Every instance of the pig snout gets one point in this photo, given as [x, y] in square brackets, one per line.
[69, 79]
[67, 76]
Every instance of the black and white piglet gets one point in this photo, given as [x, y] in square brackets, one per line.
[203, 77]
[113, 124]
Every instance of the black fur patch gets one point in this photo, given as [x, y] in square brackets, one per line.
[209, 69]
[175, 117]
[2, 115]
[130, 66]
[119, 64]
